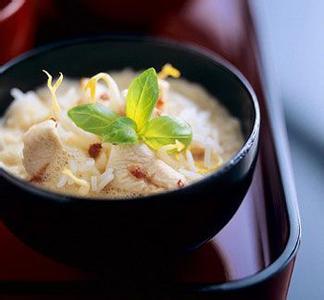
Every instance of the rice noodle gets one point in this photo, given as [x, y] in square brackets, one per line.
[62, 181]
[94, 183]
[190, 161]
[87, 166]
[84, 185]
[162, 154]
[216, 135]
[105, 179]
[190, 175]
[208, 156]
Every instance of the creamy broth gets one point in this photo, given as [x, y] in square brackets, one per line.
[55, 154]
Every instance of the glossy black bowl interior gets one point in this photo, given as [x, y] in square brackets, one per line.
[96, 233]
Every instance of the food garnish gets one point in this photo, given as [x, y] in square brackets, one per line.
[84, 185]
[94, 150]
[169, 70]
[56, 109]
[100, 120]
[92, 84]
[138, 124]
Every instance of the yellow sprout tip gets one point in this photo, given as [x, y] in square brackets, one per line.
[77, 180]
[52, 88]
[92, 84]
[179, 146]
[169, 70]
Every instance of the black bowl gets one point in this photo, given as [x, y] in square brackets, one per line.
[94, 233]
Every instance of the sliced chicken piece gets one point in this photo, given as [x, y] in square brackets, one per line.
[137, 170]
[42, 147]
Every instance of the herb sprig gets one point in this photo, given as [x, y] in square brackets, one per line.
[138, 125]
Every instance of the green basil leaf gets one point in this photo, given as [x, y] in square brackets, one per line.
[166, 130]
[142, 95]
[98, 119]
[122, 131]
[94, 118]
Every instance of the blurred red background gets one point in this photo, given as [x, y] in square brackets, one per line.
[17, 27]
[223, 26]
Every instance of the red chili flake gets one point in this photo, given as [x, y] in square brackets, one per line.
[104, 96]
[137, 172]
[160, 103]
[37, 178]
[180, 183]
[197, 153]
[94, 150]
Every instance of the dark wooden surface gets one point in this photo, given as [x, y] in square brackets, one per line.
[225, 27]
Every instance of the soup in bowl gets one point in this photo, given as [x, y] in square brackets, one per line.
[145, 151]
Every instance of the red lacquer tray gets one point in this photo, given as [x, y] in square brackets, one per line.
[253, 256]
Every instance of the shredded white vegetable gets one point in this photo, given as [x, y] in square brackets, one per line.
[190, 161]
[105, 179]
[94, 183]
[216, 135]
[62, 181]
[84, 185]
[208, 156]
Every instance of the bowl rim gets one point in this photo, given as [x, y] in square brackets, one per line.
[214, 58]
[10, 9]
